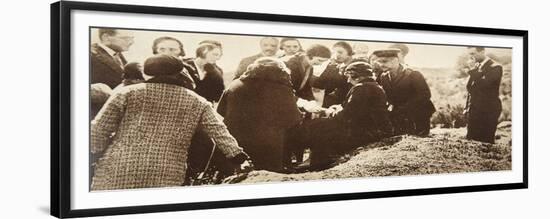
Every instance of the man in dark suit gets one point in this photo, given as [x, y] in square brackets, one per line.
[269, 47]
[107, 61]
[483, 106]
[408, 94]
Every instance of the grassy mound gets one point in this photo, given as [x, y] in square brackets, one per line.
[445, 151]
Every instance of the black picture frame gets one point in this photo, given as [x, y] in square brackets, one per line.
[61, 110]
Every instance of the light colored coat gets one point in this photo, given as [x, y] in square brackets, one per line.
[144, 132]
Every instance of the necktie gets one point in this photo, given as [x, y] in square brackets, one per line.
[118, 60]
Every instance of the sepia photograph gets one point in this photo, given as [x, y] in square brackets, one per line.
[172, 108]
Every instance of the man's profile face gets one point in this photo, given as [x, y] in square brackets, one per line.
[340, 54]
[119, 42]
[169, 47]
[269, 46]
[388, 63]
[478, 56]
[291, 47]
[401, 57]
[213, 55]
[375, 64]
[353, 79]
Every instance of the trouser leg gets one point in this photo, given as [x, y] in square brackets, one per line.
[422, 125]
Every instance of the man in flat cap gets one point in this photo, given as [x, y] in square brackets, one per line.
[408, 94]
[483, 105]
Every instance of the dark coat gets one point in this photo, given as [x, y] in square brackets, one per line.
[365, 112]
[104, 68]
[364, 119]
[258, 110]
[301, 70]
[244, 64]
[335, 85]
[211, 86]
[410, 96]
[484, 103]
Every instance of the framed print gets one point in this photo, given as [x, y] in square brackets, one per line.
[168, 109]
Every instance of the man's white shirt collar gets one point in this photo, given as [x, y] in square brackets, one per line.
[483, 62]
[201, 73]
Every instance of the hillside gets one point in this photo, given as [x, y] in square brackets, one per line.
[445, 151]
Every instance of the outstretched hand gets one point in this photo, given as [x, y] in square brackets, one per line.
[333, 110]
[246, 166]
[312, 107]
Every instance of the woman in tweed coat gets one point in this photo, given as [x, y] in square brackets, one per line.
[144, 131]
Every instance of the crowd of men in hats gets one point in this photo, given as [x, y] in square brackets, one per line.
[165, 131]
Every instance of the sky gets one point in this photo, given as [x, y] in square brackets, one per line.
[236, 47]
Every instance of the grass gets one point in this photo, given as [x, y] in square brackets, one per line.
[445, 151]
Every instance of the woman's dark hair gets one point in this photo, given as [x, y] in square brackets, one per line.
[318, 50]
[165, 38]
[215, 42]
[359, 68]
[204, 48]
[132, 71]
[344, 45]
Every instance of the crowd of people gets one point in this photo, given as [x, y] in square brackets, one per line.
[182, 122]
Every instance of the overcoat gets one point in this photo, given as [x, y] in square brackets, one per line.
[484, 102]
[301, 74]
[259, 109]
[364, 119]
[409, 94]
[211, 86]
[104, 69]
[144, 131]
[334, 83]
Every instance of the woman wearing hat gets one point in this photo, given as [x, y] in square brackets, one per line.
[171, 46]
[360, 119]
[144, 131]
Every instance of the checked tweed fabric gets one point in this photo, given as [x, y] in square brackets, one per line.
[144, 132]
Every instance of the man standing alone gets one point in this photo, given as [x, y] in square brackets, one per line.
[483, 106]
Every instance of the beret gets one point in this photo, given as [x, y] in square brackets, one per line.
[359, 69]
[162, 65]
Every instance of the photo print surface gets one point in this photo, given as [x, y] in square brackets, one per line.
[179, 108]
